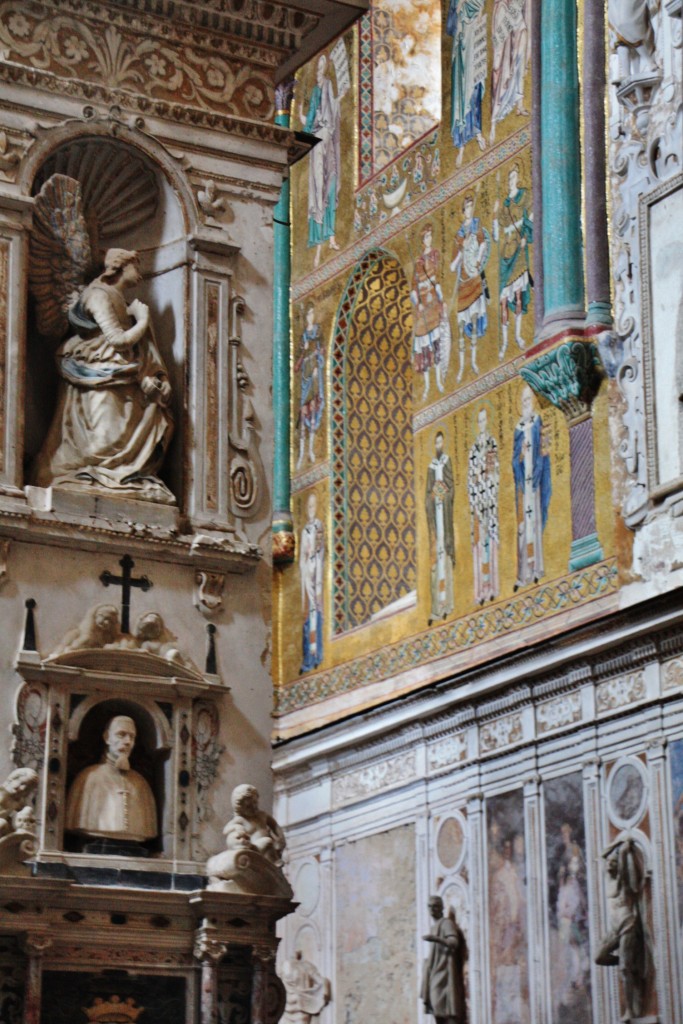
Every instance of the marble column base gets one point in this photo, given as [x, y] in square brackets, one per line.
[585, 551]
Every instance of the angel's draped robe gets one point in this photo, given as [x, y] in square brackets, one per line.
[105, 431]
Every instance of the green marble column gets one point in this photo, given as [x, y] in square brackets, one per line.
[282, 524]
[561, 164]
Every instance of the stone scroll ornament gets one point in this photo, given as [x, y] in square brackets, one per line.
[112, 423]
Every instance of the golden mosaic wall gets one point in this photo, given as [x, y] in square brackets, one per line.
[407, 397]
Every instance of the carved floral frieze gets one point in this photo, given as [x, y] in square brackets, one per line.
[91, 47]
[500, 733]
[374, 777]
[558, 712]
[447, 750]
[672, 674]
[620, 692]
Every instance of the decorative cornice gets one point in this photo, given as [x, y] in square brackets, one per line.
[257, 131]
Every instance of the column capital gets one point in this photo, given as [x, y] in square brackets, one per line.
[568, 376]
[284, 93]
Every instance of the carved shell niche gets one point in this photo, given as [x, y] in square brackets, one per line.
[118, 188]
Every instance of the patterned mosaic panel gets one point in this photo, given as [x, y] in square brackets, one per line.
[373, 499]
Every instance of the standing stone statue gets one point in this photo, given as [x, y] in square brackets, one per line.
[627, 944]
[112, 425]
[308, 993]
[110, 800]
[443, 983]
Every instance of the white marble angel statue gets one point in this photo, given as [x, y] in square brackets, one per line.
[112, 424]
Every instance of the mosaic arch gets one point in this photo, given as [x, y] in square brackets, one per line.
[373, 485]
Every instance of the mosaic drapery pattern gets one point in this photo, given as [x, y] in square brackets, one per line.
[373, 495]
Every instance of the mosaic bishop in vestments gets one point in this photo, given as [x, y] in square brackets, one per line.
[439, 506]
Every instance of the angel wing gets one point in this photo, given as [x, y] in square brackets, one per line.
[60, 254]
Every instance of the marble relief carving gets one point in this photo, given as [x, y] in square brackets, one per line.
[448, 750]
[619, 692]
[558, 712]
[500, 733]
[672, 674]
[374, 777]
[83, 48]
[30, 727]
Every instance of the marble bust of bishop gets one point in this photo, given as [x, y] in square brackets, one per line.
[110, 800]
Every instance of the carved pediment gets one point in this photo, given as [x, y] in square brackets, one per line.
[127, 662]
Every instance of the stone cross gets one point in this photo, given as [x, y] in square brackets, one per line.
[126, 581]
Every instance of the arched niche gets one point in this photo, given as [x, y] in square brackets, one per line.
[133, 202]
[150, 754]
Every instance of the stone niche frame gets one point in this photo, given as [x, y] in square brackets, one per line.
[660, 486]
[218, 476]
[168, 697]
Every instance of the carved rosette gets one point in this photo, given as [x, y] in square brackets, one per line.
[568, 376]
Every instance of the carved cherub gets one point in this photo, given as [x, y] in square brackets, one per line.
[16, 794]
[252, 827]
[209, 200]
[101, 627]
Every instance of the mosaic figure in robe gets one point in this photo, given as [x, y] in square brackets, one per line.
[513, 230]
[483, 479]
[439, 507]
[466, 24]
[112, 424]
[471, 248]
[322, 119]
[511, 53]
[531, 471]
[310, 365]
[311, 566]
[431, 333]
